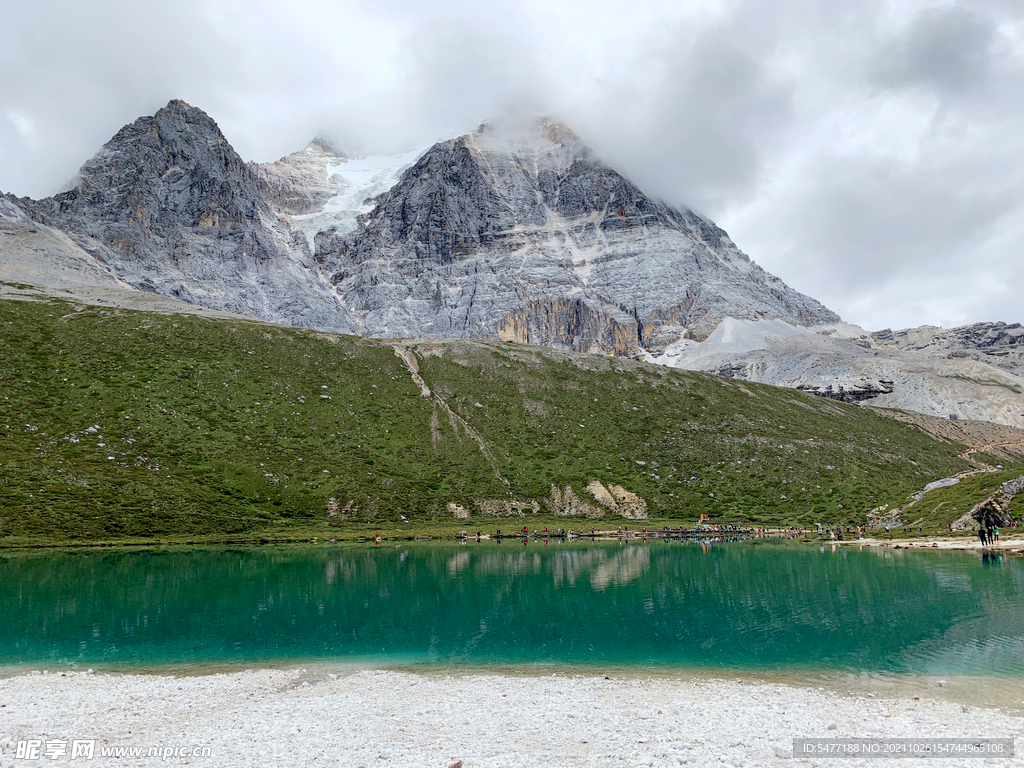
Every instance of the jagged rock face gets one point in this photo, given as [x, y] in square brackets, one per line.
[168, 206]
[300, 183]
[850, 393]
[998, 344]
[573, 323]
[527, 238]
[157, 174]
[993, 511]
[535, 240]
[926, 378]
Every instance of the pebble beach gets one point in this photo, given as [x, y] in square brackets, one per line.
[314, 716]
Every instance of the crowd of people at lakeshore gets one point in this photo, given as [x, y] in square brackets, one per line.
[989, 536]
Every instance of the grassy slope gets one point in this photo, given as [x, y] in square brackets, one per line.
[944, 505]
[208, 434]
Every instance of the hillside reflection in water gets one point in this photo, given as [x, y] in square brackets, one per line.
[767, 605]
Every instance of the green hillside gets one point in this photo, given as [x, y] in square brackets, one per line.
[943, 505]
[118, 424]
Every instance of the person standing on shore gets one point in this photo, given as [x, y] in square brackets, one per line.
[981, 535]
[995, 534]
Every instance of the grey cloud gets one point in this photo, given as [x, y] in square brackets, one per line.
[868, 217]
[460, 72]
[904, 241]
[948, 49]
[849, 150]
[698, 125]
[719, 112]
[907, 215]
[77, 73]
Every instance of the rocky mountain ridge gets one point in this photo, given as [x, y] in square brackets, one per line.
[535, 240]
[523, 236]
[168, 206]
[961, 373]
[997, 344]
[520, 235]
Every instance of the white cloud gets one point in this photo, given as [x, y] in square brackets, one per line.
[23, 125]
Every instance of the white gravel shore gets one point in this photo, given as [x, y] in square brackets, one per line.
[300, 717]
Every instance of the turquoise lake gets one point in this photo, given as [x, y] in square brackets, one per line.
[769, 605]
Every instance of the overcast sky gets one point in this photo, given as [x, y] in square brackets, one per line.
[869, 153]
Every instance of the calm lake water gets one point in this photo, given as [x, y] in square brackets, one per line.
[664, 605]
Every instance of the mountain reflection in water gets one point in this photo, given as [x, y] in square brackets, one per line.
[768, 605]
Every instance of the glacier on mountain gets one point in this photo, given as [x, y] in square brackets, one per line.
[347, 185]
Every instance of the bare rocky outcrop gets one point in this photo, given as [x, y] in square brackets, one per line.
[574, 323]
[507, 507]
[629, 505]
[334, 509]
[457, 511]
[618, 500]
[1011, 488]
[564, 501]
[883, 517]
[993, 511]
[850, 392]
[601, 494]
